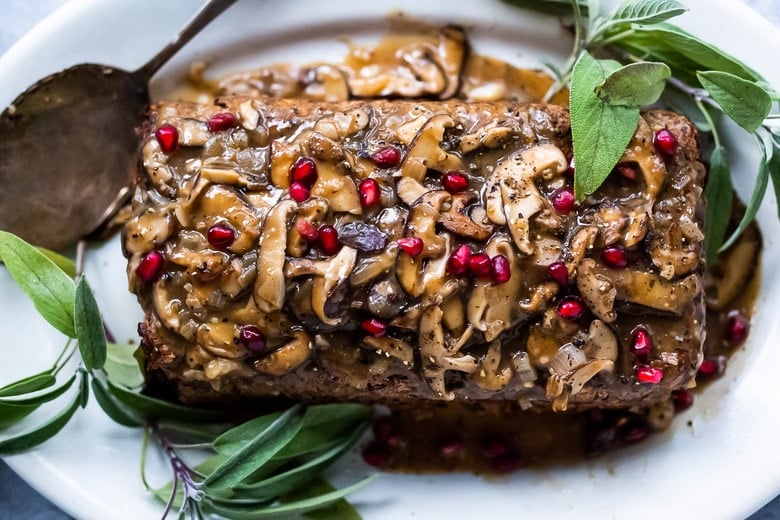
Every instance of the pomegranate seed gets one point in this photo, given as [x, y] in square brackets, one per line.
[412, 246]
[494, 447]
[374, 327]
[563, 200]
[711, 368]
[221, 236]
[501, 272]
[665, 143]
[387, 157]
[558, 272]
[376, 454]
[627, 171]
[220, 122]
[737, 329]
[682, 399]
[168, 137]
[615, 257]
[570, 170]
[384, 429]
[369, 193]
[304, 171]
[479, 265]
[151, 266]
[299, 192]
[328, 240]
[454, 182]
[643, 343]
[307, 230]
[458, 262]
[451, 448]
[506, 463]
[634, 431]
[252, 338]
[648, 374]
[571, 308]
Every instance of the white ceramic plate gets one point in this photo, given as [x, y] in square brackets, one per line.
[720, 460]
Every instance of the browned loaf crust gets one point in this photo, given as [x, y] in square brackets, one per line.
[448, 337]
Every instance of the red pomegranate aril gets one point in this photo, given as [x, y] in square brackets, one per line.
[328, 240]
[377, 454]
[501, 271]
[451, 448]
[711, 368]
[252, 338]
[220, 122]
[571, 308]
[374, 327]
[455, 182]
[737, 329]
[634, 431]
[151, 266]
[480, 265]
[221, 236]
[387, 157]
[412, 246]
[558, 272]
[648, 374]
[627, 171]
[168, 138]
[506, 463]
[615, 257]
[458, 263]
[665, 143]
[563, 200]
[369, 193]
[642, 344]
[682, 399]
[304, 170]
[299, 193]
[307, 230]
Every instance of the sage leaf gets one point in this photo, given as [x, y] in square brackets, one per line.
[719, 195]
[647, 11]
[113, 408]
[339, 510]
[258, 451]
[153, 408]
[89, 327]
[41, 434]
[29, 384]
[774, 174]
[39, 398]
[635, 84]
[52, 292]
[287, 510]
[746, 103]
[121, 366]
[553, 7]
[600, 131]
[67, 265]
[10, 414]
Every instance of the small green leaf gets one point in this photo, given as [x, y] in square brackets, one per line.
[258, 451]
[340, 510]
[743, 101]
[39, 398]
[63, 262]
[112, 408]
[647, 11]
[774, 174]
[553, 7]
[50, 289]
[719, 195]
[600, 131]
[29, 384]
[634, 85]
[89, 327]
[153, 408]
[10, 415]
[122, 367]
[41, 434]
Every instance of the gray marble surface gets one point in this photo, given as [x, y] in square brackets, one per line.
[17, 499]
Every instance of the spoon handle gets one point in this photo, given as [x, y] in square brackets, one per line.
[203, 17]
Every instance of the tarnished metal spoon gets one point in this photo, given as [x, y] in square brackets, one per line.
[68, 144]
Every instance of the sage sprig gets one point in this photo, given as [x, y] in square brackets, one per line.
[268, 467]
[653, 54]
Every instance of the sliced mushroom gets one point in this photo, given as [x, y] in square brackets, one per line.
[489, 136]
[393, 347]
[512, 197]
[579, 246]
[314, 211]
[372, 267]
[611, 222]
[220, 203]
[490, 376]
[425, 152]
[337, 188]
[191, 251]
[155, 162]
[540, 295]
[386, 299]
[324, 148]
[457, 219]
[597, 291]
[409, 190]
[493, 308]
[286, 358]
[269, 290]
[218, 338]
[147, 230]
[454, 316]
[328, 84]
[337, 273]
[651, 165]
[601, 342]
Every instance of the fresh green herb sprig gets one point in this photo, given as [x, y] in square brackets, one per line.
[268, 467]
[650, 55]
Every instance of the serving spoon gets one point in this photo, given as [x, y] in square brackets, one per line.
[68, 144]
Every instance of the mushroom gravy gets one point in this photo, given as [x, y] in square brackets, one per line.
[456, 324]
